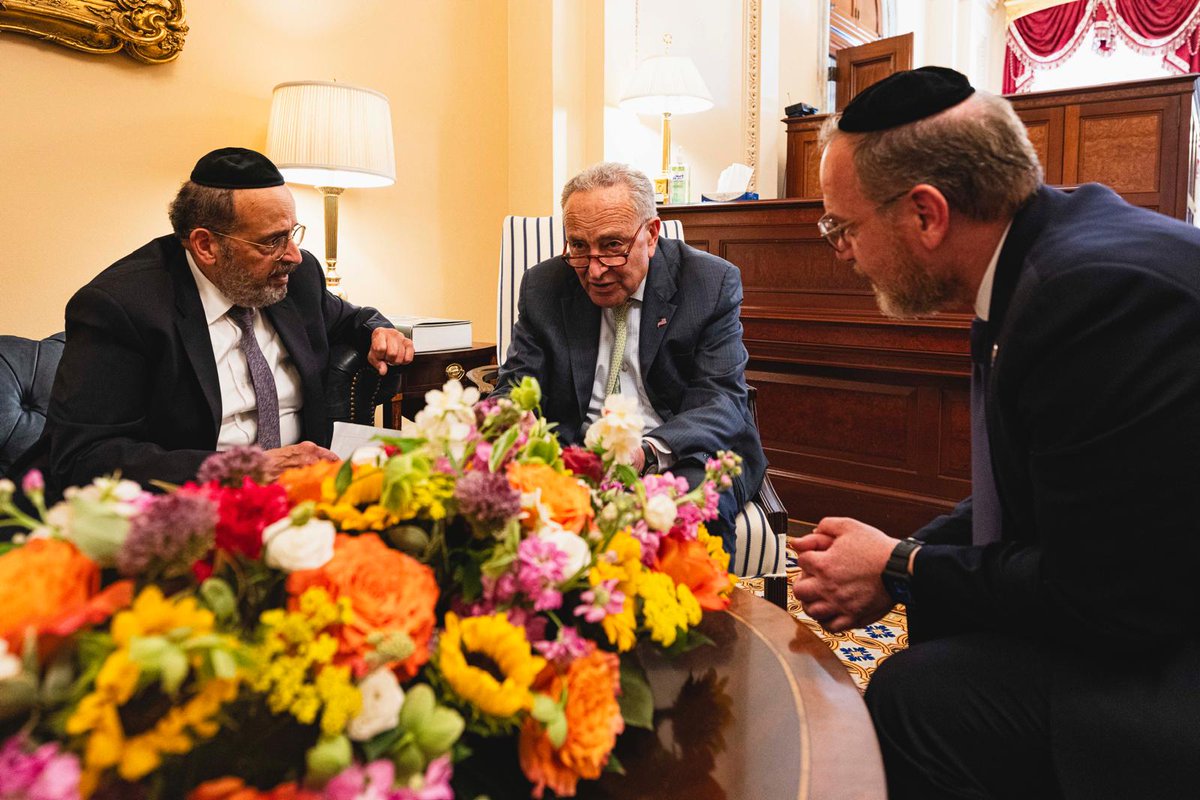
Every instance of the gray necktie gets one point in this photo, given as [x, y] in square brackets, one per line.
[265, 395]
[985, 500]
[620, 315]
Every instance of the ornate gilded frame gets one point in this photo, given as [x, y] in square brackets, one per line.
[150, 31]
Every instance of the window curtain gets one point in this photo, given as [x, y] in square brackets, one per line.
[1044, 39]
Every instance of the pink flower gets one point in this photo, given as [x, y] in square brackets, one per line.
[33, 482]
[601, 601]
[565, 647]
[43, 774]
[371, 782]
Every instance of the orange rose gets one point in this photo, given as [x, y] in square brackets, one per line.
[689, 563]
[41, 583]
[593, 723]
[388, 591]
[304, 483]
[236, 789]
[569, 501]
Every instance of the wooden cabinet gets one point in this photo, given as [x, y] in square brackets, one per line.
[432, 370]
[867, 416]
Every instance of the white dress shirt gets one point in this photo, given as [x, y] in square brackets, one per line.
[630, 379]
[983, 298]
[239, 409]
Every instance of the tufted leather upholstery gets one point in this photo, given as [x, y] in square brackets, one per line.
[353, 389]
[27, 370]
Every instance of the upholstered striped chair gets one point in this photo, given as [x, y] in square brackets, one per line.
[762, 526]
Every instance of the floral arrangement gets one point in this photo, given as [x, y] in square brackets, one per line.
[355, 630]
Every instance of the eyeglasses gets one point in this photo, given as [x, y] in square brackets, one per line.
[835, 232]
[275, 247]
[584, 260]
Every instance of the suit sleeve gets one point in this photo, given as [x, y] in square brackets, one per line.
[526, 354]
[1102, 399]
[94, 431]
[714, 413]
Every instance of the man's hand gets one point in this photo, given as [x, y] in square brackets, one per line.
[841, 562]
[389, 346]
[639, 461]
[295, 455]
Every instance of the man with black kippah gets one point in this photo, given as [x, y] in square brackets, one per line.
[1052, 614]
[215, 336]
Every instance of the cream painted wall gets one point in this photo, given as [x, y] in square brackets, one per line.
[92, 148]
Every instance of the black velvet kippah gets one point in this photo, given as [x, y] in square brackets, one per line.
[905, 97]
[236, 168]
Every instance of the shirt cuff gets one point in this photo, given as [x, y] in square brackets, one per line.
[665, 457]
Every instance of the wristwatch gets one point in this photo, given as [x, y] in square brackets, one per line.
[895, 575]
[650, 463]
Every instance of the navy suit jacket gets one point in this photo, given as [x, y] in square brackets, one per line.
[693, 366]
[1094, 427]
[137, 387]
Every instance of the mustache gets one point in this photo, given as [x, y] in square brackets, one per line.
[283, 269]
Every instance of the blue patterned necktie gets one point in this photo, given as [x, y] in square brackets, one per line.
[985, 501]
[265, 395]
[620, 323]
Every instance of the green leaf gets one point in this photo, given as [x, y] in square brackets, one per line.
[174, 670]
[344, 476]
[636, 700]
[614, 764]
[223, 664]
[56, 685]
[502, 446]
[625, 474]
[382, 743]
[685, 641]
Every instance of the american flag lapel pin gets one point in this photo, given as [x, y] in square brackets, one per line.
[662, 321]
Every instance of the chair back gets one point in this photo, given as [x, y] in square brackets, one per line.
[27, 370]
[526, 242]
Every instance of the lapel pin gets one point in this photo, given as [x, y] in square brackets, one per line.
[662, 321]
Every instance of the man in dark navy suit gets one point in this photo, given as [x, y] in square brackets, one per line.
[626, 311]
[215, 336]
[1053, 614]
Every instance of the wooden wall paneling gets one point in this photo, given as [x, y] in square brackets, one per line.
[1045, 126]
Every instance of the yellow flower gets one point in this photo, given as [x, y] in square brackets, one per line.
[118, 677]
[666, 608]
[152, 614]
[500, 687]
[620, 628]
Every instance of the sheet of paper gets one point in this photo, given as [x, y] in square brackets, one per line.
[349, 436]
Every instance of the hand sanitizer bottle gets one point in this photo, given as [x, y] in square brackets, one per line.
[680, 181]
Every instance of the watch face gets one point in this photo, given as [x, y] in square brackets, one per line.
[897, 588]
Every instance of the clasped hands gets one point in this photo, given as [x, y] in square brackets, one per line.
[841, 564]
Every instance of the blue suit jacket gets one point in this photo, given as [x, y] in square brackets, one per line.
[1094, 427]
[693, 367]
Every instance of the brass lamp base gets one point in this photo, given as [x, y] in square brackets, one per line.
[333, 281]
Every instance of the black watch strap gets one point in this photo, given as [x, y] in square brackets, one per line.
[895, 574]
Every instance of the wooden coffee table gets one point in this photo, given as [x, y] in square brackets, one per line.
[767, 713]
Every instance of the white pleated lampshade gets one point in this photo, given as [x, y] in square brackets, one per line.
[666, 84]
[331, 134]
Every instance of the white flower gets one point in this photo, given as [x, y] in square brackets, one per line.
[95, 518]
[619, 429]
[372, 455]
[10, 665]
[579, 552]
[291, 546]
[382, 699]
[660, 512]
[448, 417]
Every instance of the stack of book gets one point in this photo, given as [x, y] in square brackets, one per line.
[433, 333]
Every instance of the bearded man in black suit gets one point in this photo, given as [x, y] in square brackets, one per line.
[214, 336]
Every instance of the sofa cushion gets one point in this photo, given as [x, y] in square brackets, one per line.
[27, 370]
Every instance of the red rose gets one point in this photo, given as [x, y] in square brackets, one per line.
[583, 463]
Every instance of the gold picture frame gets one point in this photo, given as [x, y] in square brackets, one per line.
[150, 31]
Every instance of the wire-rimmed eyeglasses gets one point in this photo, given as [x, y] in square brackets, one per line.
[834, 232]
[275, 248]
[584, 260]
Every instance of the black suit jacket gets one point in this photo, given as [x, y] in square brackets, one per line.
[1094, 427]
[137, 387]
[693, 365]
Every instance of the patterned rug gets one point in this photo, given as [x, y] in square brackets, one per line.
[861, 650]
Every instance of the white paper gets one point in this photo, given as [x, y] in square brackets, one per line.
[349, 436]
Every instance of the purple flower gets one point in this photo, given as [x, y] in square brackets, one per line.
[486, 498]
[650, 541]
[565, 647]
[169, 535]
[229, 467]
[43, 774]
[601, 601]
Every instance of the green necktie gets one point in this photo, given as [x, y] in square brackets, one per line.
[618, 353]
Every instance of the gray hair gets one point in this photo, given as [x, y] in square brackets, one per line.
[612, 173]
[978, 154]
[197, 206]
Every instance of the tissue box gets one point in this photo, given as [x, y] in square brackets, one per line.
[727, 197]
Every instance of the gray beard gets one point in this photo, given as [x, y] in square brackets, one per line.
[240, 286]
[912, 293]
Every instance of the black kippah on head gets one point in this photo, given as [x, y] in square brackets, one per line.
[905, 97]
[236, 168]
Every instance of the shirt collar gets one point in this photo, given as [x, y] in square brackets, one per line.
[983, 299]
[640, 291]
[214, 302]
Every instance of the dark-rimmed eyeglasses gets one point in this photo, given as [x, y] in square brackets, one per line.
[835, 232]
[584, 260]
[275, 248]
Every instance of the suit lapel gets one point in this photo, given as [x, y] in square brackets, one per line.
[581, 321]
[193, 332]
[287, 323]
[657, 305]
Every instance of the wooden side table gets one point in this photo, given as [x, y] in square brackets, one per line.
[431, 370]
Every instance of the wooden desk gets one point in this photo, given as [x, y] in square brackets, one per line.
[768, 712]
[430, 371]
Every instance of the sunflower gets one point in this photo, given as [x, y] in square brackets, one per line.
[487, 661]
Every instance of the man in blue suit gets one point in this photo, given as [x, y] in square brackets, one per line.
[623, 310]
[1053, 614]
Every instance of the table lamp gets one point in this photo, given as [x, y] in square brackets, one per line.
[334, 137]
[666, 85]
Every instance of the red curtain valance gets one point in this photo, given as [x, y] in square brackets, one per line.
[1046, 38]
